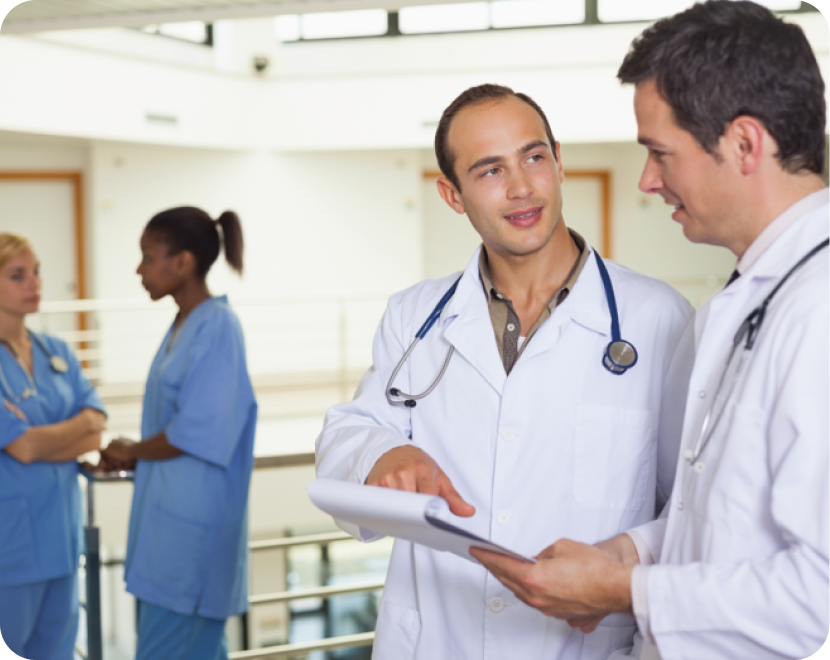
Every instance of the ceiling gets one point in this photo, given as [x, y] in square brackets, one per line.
[42, 15]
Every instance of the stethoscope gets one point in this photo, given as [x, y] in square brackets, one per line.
[56, 364]
[747, 334]
[619, 356]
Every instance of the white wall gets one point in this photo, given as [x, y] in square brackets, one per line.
[313, 223]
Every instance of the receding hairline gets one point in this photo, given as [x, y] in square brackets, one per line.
[491, 101]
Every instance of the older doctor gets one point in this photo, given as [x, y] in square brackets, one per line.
[527, 428]
[742, 550]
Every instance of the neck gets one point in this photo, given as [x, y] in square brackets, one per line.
[13, 329]
[191, 294]
[767, 202]
[538, 275]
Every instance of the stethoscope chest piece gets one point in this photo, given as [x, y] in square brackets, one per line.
[58, 364]
[619, 356]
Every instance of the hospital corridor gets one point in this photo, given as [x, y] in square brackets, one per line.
[305, 131]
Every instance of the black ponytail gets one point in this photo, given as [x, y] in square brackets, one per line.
[189, 228]
[232, 233]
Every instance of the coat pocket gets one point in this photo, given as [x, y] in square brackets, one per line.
[606, 640]
[613, 457]
[17, 545]
[170, 553]
[397, 632]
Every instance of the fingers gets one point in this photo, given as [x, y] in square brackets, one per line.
[458, 505]
[14, 409]
[586, 624]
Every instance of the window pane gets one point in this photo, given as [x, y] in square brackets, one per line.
[639, 10]
[780, 5]
[288, 27]
[516, 13]
[444, 18]
[195, 31]
[361, 23]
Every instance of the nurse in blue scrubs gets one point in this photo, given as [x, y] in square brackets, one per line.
[187, 552]
[50, 415]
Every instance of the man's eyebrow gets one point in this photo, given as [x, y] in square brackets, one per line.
[648, 142]
[534, 145]
[492, 160]
[481, 162]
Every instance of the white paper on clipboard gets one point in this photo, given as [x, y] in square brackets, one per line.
[415, 517]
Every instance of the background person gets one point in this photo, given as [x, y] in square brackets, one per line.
[536, 434]
[735, 138]
[188, 543]
[50, 416]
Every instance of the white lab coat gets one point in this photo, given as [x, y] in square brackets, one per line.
[751, 530]
[560, 448]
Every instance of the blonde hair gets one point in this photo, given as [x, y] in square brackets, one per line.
[11, 245]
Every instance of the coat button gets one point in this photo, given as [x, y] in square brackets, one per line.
[508, 435]
[702, 394]
[496, 604]
[680, 506]
[503, 518]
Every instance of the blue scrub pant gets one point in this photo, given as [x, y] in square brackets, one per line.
[40, 621]
[167, 635]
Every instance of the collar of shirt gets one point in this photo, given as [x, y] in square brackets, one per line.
[778, 226]
[503, 317]
[493, 293]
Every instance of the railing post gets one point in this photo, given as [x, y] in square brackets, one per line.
[243, 622]
[94, 635]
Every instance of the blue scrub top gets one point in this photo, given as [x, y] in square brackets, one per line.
[188, 543]
[40, 503]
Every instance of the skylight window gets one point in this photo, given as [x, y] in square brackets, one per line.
[193, 31]
[521, 13]
[444, 18]
[611, 11]
[333, 24]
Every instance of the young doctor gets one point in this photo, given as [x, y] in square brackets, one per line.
[537, 429]
[188, 544]
[50, 416]
[741, 551]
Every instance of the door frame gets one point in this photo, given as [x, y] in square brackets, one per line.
[604, 178]
[76, 179]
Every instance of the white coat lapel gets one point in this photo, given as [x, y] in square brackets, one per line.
[467, 326]
[586, 305]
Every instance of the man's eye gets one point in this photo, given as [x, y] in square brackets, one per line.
[491, 172]
[535, 158]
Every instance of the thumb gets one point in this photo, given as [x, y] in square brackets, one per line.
[457, 504]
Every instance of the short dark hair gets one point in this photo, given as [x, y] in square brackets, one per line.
[722, 59]
[190, 228]
[474, 96]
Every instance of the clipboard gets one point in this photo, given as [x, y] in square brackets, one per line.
[414, 517]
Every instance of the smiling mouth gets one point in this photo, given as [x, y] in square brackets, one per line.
[524, 217]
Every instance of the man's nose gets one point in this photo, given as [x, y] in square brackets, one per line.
[519, 185]
[650, 180]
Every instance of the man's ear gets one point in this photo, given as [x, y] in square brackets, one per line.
[747, 141]
[559, 167]
[450, 194]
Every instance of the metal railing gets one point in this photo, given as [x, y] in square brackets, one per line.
[93, 564]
